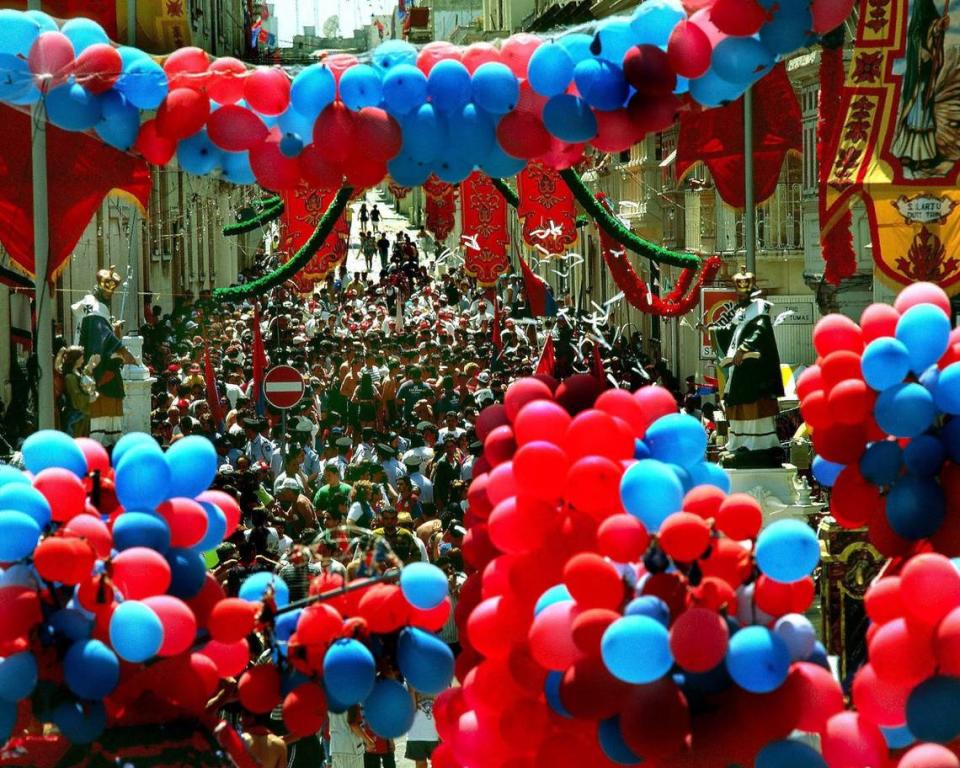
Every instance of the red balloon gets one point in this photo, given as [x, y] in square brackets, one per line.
[879, 320]
[521, 133]
[698, 639]
[777, 599]
[622, 538]
[477, 548]
[490, 687]
[68, 561]
[684, 536]
[231, 658]
[378, 133]
[728, 561]
[849, 741]
[655, 721]
[499, 445]
[519, 525]
[902, 653]
[819, 696]
[226, 81]
[840, 443]
[236, 129]
[319, 624]
[524, 391]
[503, 481]
[578, 392]
[98, 67]
[436, 51]
[541, 420]
[259, 688]
[829, 14]
[525, 670]
[50, 56]
[651, 114]
[183, 113]
[516, 51]
[179, 623]
[226, 504]
[947, 644]
[704, 500]
[305, 710]
[929, 756]
[431, 620]
[929, 588]
[589, 626]
[595, 433]
[880, 701]
[210, 594]
[839, 366]
[273, 169]
[593, 486]
[267, 91]
[922, 293]
[489, 419]
[155, 148]
[551, 636]
[320, 171]
[620, 403]
[714, 593]
[740, 517]
[187, 68]
[589, 691]
[96, 595]
[593, 582]
[523, 724]
[537, 467]
[384, 608]
[882, 536]
[20, 607]
[561, 155]
[65, 492]
[232, 619]
[851, 401]
[93, 530]
[852, 498]
[648, 70]
[334, 131]
[655, 401]
[809, 381]
[834, 333]
[98, 460]
[815, 409]
[882, 601]
[689, 51]
[365, 172]
[139, 572]
[738, 17]
[187, 520]
[476, 54]
[615, 133]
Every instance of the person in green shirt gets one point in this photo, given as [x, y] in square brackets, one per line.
[331, 485]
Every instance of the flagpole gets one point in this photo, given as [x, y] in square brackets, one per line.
[749, 203]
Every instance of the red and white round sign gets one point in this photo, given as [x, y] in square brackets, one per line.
[283, 386]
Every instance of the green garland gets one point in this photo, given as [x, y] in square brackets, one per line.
[612, 226]
[286, 271]
[512, 198]
[264, 210]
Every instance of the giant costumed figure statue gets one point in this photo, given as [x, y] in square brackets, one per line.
[96, 332]
[748, 352]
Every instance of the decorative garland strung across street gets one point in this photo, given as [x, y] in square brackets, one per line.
[298, 261]
[264, 211]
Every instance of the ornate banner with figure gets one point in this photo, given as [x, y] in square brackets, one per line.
[899, 149]
[441, 207]
[484, 229]
[547, 209]
[303, 209]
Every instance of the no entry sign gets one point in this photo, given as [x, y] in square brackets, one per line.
[283, 387]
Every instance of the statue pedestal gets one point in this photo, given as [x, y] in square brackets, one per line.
[137, 384]
[779, 490]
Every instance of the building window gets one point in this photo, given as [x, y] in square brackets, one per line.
[809, 101]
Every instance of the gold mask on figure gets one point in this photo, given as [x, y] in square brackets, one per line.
[108, 281]
[745, 283]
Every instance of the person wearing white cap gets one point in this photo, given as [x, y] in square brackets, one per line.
[416, 477]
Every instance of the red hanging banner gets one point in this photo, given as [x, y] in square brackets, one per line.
[397, 191]
[303, 209]
[484, 229]
[441, 207]
[547, 209]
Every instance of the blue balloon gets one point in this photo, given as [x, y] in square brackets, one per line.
[19, 32]
[130, 55]
[312, 90]
[216, 528]
[142, 478]
[407, 172]
[80, 723]
[423, 585]
[495, 88]
[577, 45]
[292, 123]
[193, 465]
[20, 535]
[188, 572]
[686, 482]
[742, 60]
[614, 37]
[650, 606]
[885, 363]
[611, 742]
[758, 660]
[120, 124]
[423, 134]
[475, 133]
[819, 657]
[73, 108]
[654, 20]
[897, 738]
[708, 473]
[389, 709]
[198, 155]
[9, 713]
[551, 692]
[682, 86]
[826, 472]
[52, 448]
[129, 441]
[787, 31]
[499, 165]
[787, 551]
[286, 624]
[601, 84]
[83, 33]
[13, 476]
[26, 499]
[925, 331]
[881, 462]
[16, 80]
[349, 671]
[798, 633]
[360, 87]
[930, 379]
[235, 168]
[452, 168]
[404, 89]
[448, 85]
[711, 90]
[651, 492]
[394, 53]
[71, 623]
[636, 649]
[924, 455]
[915, 507]
[947, 394]
[677, 438]
[254, 588]
[558, 593]
[712, 681]
[136, 632]
[789, 754]
[425, 661]
[570, 118]
[18, 676]
[950, 435]
[144, 83]
[933, 709]
[905, 410]
[141, 529]
[46, 21]
[551, 69]
[91, 670]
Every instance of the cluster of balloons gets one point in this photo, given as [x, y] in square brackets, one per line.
[411, 113]
[117, 601]
[624, 609]
[882, 402]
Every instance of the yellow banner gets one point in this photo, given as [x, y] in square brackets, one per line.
[162, 25]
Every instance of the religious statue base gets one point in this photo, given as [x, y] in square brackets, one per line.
[765, 459]
[781, 492]
[137, 385]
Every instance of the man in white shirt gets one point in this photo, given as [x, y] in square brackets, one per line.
[258, 447]
[392, 467]
[413, 463]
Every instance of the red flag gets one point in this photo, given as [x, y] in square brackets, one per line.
[547, 209]
[213, 396]
[485, 237]
[259, 364]
[596, 366]
[539, 295]
[547, 360]
[495, 333]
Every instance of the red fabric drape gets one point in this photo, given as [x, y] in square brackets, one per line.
[441, 207]
[259, 364]
[547, 209]
[715, 137]
[303, 209]
[484, 229]
[81, 172]
[548, 359]
[539, 296]
[210, 378]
